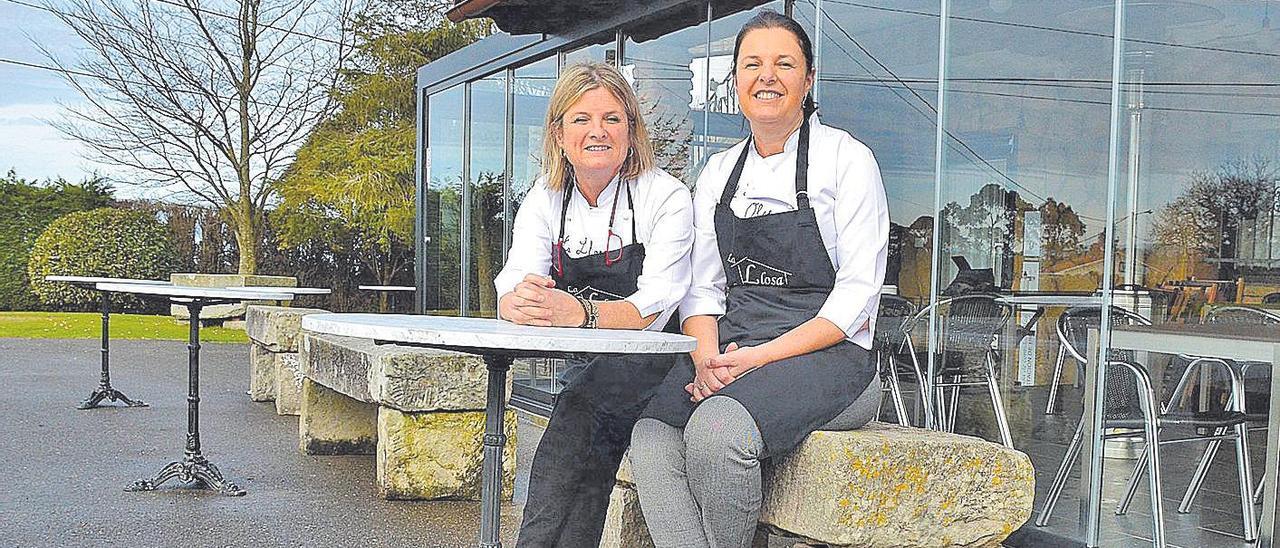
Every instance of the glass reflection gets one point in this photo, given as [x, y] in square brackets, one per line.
[485, 192]
[669, 76]
[443, 203]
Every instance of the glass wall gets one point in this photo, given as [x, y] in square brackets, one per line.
[1017, 129]
[531, 89]
[485, 196]
[670, 78]
[443, 203]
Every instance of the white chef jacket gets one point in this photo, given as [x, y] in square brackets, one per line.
[848, 199]
[664, 224]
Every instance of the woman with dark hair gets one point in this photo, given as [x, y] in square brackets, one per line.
[601, 241]
[791, 232]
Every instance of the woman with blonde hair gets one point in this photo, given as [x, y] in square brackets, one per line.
[602, 240]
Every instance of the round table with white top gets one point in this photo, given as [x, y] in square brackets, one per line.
[498, 342]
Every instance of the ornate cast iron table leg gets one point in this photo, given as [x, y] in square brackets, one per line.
[104, 391]
[193, 467]
[494, 441]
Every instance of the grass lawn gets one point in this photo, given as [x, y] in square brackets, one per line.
[87, 325]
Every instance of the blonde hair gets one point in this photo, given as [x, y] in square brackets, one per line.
[575, 81]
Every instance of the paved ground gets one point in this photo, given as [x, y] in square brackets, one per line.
[64, 468]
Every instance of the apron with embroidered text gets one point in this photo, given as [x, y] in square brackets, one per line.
[778, 276]
[610, 275]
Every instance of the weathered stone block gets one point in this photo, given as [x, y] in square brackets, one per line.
[262, 373]
[288, 383]
[224, 311]
[276, 328]
[438, 455]
[406, 378]
[624, 525]
[333, 424]
[892, 486]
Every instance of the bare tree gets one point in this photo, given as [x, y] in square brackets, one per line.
[213, 100]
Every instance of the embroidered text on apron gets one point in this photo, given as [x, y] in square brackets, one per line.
[778, 276]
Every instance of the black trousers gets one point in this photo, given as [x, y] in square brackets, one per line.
[576, 463]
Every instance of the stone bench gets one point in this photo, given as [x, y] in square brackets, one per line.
[421, 411]
[878, 487]
[274, 373]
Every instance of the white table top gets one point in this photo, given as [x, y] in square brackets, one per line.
[1052, 300]
[484, 333]
[178, 291]
[388, 287]
[98, 280]
[294, 290]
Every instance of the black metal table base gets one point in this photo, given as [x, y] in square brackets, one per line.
[191, 469]
[107, 393]
[104, 391]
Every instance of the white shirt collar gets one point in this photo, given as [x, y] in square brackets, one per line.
[792, 143]
[606, 196]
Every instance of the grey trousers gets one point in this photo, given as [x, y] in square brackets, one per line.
[699, 486]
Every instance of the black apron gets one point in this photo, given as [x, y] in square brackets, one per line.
[778, 276]
[575, 466]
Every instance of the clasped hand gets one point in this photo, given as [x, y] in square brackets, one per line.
[536, 301]
[711, 374]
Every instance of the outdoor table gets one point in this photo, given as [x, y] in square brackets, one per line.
[498, 342]
[104, 391]
[193, 467]
[295, 291]
[1260, 343]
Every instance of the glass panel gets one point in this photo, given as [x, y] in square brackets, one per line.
[532, 89]
[669, 76]
[604, 52]
[1195, 221]
[725, 126]
[893, 91]
[443, 209]
[1024, 180]
[488, 162]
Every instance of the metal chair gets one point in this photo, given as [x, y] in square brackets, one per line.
[1129, 403]
[1236, 315]
[968, 326]
[887, 343]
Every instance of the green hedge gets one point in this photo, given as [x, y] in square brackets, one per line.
[26, 208]
[102, 242]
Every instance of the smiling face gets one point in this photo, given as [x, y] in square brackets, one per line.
[772, 77]
[595, 135]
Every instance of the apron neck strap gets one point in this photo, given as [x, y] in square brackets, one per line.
[568, 194]
[802, 169]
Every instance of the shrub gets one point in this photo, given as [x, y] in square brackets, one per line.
[26, 208]
[102, 242]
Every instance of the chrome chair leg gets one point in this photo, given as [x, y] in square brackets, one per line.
[1050, 407]
[1131, 487]
[997, 404]
[1202, 469]
[1150, 410]
[1244, 469]
[954, 404]
[895, 392]
[1257, 493]
[1060, 479]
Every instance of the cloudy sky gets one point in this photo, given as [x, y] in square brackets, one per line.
[29, 97]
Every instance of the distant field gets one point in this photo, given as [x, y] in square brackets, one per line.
[86, 325]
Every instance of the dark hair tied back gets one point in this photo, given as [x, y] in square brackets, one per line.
[769, 19]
